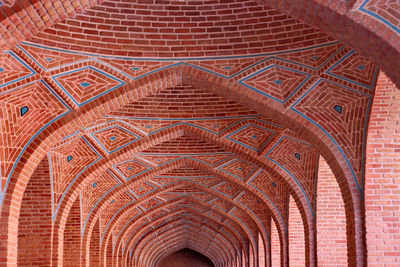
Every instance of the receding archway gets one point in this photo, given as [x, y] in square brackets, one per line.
[186, 257]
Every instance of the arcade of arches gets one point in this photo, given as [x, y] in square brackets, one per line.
[249, 132]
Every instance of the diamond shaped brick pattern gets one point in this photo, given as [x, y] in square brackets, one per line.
[227, 188]
[157, 159]
[228, 67]
[131, 169]
[272, 188]
[125, 219]
[314, 58]
[221, 204]
[355, 68]
[137, 68]
[213, 159]
[83, 85]
[303, 169]
[239, 168]
[111, 209]
[114, 137]
[12, 69]
[172, 103]
[186, 173]
[48, 59]
[245, 220]
[157, 214]
[65, 169]
[95, 190]
[252, 202]
[151, 203]
[184, 145]
[252, 136]
[348, 128]
[217, 126]
[215, 215]
[18, 130]
[147, 126]
[142, 189]
[277, 82]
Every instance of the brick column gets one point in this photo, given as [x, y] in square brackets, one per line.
[331, 219]
[382, 179]
[296, 236]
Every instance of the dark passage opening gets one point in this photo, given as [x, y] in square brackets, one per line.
[186, 258]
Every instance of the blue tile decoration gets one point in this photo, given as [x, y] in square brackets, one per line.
[338, 108]
[69, 158]
[24, 110]
[85, 84]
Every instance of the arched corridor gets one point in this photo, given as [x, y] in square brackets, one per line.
[229, 133]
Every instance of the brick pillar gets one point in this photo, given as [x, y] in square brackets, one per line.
[382, 179]
[72, 236]
[109, 253]
[261, 252]
[95, 246]
[297, 243]
[34, 233]
[251, 256]
[331, 219]
[275, 246]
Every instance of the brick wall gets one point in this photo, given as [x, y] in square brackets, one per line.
[331, 219]
[382, 179]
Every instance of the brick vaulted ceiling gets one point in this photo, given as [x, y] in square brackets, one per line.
[182, 123]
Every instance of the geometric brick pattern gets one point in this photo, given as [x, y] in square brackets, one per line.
[114, 137]
[13, 69]
[277, 82]
[227, 188]
[300, 160]
[169, 103]
[18, 109]
[94, 191]
[83, 85]
[252, 136]
[343, 124]
[314, 58]
[355, 68]
[130, 169]
[273, 189]
[46, 59]
[238, 168]
[67, 162]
